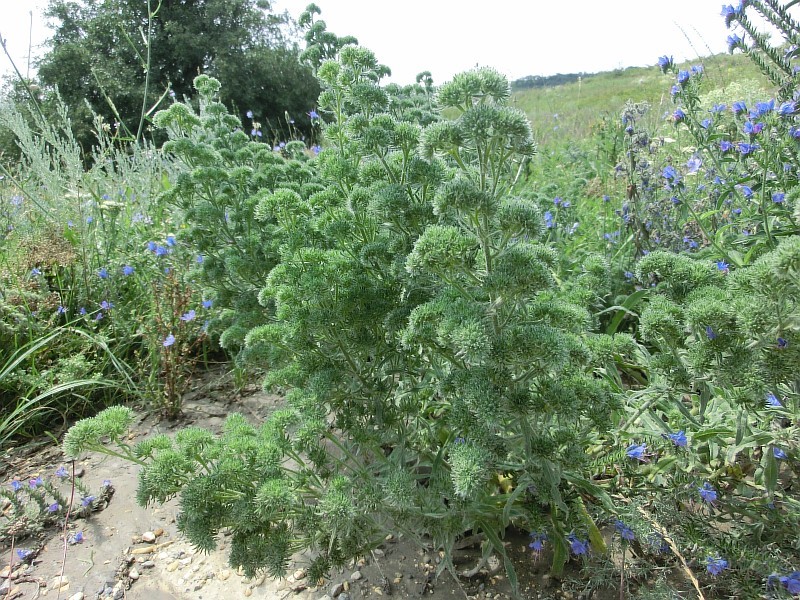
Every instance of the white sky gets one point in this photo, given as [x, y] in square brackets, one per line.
[517, 37]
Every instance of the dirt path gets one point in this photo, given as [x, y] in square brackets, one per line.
[136, 553]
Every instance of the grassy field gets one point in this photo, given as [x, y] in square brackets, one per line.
[570, 111]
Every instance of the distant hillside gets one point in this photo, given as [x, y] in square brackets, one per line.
[541, 81]
[570, 109]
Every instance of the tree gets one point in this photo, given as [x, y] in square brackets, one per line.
[99, 54]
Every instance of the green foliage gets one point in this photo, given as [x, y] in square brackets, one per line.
[122, 60]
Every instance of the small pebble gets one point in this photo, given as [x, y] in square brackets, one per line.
[148, 564]
[356, 576]
[224, 575]
[173, 566]
[248, 591]
[76, 596]
[149, 537]
[299, 574]
[134, 574]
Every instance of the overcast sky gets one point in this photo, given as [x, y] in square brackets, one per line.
[517, 37]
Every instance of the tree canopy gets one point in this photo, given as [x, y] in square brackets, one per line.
[99, 53]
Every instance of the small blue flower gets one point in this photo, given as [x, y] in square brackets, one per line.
[313, 114]
[169, 340]
[722, 266]
[694, 164]
[705, 123]
[61, 310]
[746, 191]
[189, 316]
[87, 501]
[171, 240]
[787, 109]
[537, 541]
[683, 77]
[715, 565]
[625, 532]
[725, 146]
[23, 553]
[127, 270]
[16, 485]
[792, 582]
[782, 344]
[106, 305]
[762, 108]
[82, 310]
[151, 246]
[316, 149]
[61, 473]
[53, 507]
[707, 493]
[718, 108]
[778, 197]
[669, 173]
[249, 114]
[637, 451]
[200, 259]
[89, 220]
[679, 438]
[779, 453]
[35, 272]
[106, 483]
[35, 483]
[577, 546]
[739, 107]
[664, 63]
[751, 128]
[208, 303]
[548, 219]
[678, 116]
[161, 251]
[746, 149]
[733, 41]
[710, 333]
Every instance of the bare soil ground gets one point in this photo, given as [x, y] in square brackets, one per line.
[137, 553]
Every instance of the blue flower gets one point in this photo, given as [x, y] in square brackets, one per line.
[23, 553]
[82, 311]
[718, 108]
[679, 439]
[637, 451]
[171, 240]
[89, 220]
[313, 114]
[694, 164]
[200, 259]
[53, 507]
[715, 565]
[664, 63]
[548, 219]
[710, 333]
[683, 77]
[35, 272]
[169, 340]
[208, 303]
[316, 149]
[249, 114]
[61, 473]
[705, 123]
[102, 273]
[106, 483]
[751, 128]
[762, 108]
[35, 483]
[577, 546]
[625, 532]
[161, 251]
[189, 316]
[707, 493]
[669, 173]
[87, 501]
[778, 197]
[16, 485]
[725, 145]
[779, 453]
[729, 12]
[678, 115]
[106, 305]
[98, 316]
[739, 107]
[722, 266]
[792, 582]
[733, 41]
[746, 149]
[782, 344]
[127, 270]
[537, 541]
[747, 192]
[787, 108]
[61, 310]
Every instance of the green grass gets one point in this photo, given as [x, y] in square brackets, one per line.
[581, 105]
